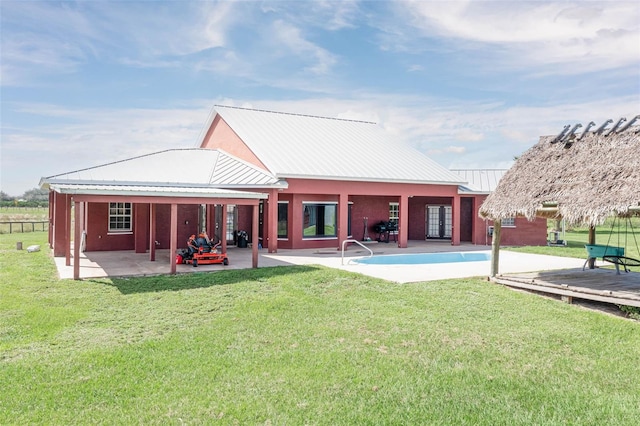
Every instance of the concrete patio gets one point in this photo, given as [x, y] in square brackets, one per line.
[128, 263]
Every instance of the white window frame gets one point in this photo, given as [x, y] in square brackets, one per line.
[321, 237]
[123, 213]
[287, 204]
[509, 222]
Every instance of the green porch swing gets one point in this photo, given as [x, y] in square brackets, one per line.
[615, 254]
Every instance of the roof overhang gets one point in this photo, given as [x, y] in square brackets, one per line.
[368, 179]
[465, 190]
[153, 191]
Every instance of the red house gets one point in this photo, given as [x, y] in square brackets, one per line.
[287, 180]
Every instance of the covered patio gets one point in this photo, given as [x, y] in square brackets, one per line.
[113, 264]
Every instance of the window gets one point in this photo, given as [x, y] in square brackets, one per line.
[394, 213]
[119, 217]
[509, 221]
[283, 219]
[319, 220]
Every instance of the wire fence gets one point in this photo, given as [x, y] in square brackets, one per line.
[23, 226]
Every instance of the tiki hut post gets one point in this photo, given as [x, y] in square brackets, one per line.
[495, 248]
[592, 240]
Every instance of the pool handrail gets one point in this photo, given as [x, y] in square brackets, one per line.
[357, 242]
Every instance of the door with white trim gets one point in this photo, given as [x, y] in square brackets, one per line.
[438, 221]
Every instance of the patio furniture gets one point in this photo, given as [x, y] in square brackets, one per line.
[606, 253]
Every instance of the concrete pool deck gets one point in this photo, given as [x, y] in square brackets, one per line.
[128, 263]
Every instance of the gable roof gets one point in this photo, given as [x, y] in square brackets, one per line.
[304, 146]
[193, 166]
[479, 181]
[584, 178]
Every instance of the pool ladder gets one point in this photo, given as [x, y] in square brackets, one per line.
[357, 242]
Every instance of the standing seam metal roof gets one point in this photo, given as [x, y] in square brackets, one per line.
[294, 145]
[173, 167]
[480, 180]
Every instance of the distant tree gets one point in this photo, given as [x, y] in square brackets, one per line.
[36, 194]
[5, 197]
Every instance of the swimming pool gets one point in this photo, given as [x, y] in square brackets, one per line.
[425, 258]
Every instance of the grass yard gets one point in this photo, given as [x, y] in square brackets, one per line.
[23, 213]
[302, 345]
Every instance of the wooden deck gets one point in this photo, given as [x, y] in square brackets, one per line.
[602, 285]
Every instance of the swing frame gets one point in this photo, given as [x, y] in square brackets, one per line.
[622, 260]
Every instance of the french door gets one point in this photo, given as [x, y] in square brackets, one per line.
[438, 221]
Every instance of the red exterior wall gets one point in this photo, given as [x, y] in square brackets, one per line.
[375, 209]
[525, 233]
[99, 238]
[227, 140]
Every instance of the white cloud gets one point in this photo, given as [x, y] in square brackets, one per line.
[286, 34]
[334, 15]
[574, 37]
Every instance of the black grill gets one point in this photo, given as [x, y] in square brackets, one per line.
[383, 229]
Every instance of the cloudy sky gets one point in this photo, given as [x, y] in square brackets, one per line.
[470, 83]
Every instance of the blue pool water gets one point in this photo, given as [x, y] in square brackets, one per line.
[425, 258]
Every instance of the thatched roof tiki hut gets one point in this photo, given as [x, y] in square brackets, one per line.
[583, 177]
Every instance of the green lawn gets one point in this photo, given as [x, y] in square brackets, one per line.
[302, 345]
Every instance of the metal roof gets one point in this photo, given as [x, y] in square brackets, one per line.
[303, 146]
[480, 181]
[183, 168]
[153, 191]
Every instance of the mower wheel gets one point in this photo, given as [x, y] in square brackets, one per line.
[225, 262]
[195, 263]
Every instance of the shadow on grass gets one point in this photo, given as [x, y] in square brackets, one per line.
[199, 280]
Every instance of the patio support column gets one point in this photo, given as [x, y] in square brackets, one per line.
[51, 210]
[67, 227]
[255, 237]
[455, 231]
[495, 248]
[272, 221]
[211, 221]
[403, 222]
[592, 240]
[59, 231]
[173, 244]
[343, 218]
[76, 241]
[140, 217]
[223, 228]
[152, 232]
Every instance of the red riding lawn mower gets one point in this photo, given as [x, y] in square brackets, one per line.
[206, 255]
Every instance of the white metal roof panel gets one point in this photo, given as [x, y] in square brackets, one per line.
[293, 145]
[150, 190]
[193, 167]
[481, 181]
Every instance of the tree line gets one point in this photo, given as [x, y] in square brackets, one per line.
[35, 197]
